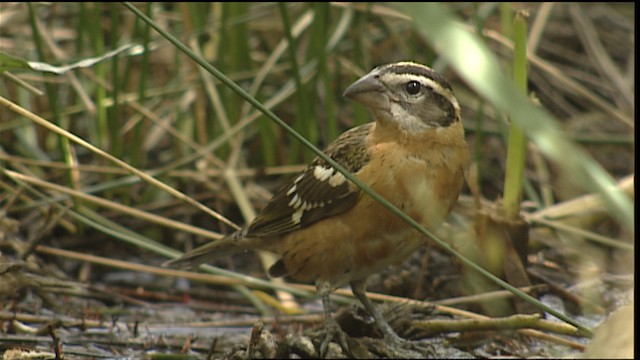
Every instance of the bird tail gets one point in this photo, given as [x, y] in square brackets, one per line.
[226, 246]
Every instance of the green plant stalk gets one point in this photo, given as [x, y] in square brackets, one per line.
[332, 129]
[101, 130]
[198, 13]
[506, 16]
[318, 40]
[136, 153]
[114, 118]
[235, 53]
[63, 143]
[321, 48]
[194, 16]
[517, 143]
[146, 40]
[228, 82]
[360, 114]
[304, 112]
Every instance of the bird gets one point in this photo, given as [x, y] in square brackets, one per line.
[326, 230]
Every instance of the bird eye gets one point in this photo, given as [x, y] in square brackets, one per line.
[412, 87]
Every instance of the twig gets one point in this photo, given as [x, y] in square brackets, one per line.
[487, 296]
[57, 345]
[515, 322]
[143, 215]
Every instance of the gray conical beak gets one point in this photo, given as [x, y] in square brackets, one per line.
[369, 91]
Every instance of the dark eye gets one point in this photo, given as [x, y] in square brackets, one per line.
[412, 87]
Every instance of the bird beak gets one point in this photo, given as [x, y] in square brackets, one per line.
[369, 91]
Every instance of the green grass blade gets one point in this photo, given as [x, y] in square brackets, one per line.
[304, 113]
[517, 143]
[51, 91]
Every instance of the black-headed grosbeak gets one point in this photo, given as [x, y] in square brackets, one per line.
[325, 229]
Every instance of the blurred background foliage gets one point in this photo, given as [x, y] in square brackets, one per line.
[152, 107]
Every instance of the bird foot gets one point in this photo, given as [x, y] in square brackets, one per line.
[332, 331]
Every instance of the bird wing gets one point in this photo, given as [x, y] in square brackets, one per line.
[318, 192]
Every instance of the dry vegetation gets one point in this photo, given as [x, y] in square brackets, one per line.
[81, 234]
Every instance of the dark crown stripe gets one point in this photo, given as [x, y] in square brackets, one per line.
[419, 71]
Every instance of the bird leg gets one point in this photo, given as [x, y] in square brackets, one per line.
[331, 329]
[359, 290]
[398, 347]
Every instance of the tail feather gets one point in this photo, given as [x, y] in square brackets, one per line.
[219, 248]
